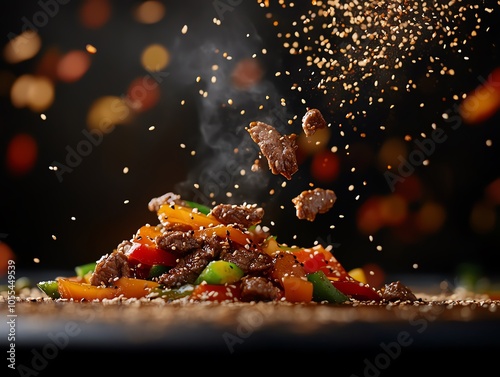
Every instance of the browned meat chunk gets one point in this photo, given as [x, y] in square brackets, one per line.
[178, 242]
[258, 288]
[311, 202]
[397, 291]
[244, 215]
[168, 198]
[280, 150]
[252, 262]
[312, 121]
[190, 266]
[109, 268]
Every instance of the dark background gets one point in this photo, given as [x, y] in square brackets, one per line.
[36, 205]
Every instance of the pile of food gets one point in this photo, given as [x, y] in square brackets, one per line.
[222, 254]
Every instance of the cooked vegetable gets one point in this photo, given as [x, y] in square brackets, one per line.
[203, 209]
[50, 288]
[216, 292]
[323, 289]
[128, 287]
[297, 289]
[157, 270]
[170, 294]
[357, 290]
[149, 255]
[220, 272]
[84, 269]
[238, 259]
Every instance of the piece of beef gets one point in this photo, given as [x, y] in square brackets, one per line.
[189, 267]
[311, 202]
[168, 198]
[258, 288]
[280, 150]
[252, 262]
[243, 215]
[178, 242]
[312, 121]
[397, 291]
[109, 268]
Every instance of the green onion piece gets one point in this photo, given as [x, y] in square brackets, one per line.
[83, 269]
[202, 208]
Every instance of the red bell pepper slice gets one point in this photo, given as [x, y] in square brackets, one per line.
[216, 292]
[150, 255]
[357, 290]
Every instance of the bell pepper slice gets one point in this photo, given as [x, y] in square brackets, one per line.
[357, 290]
[126, 287]
[150, 255]
[324, 290]
[318, 258]
[146, 235]
[226, 231]
[50, 288]
[168, 213]
[216, 292]
[220, 272]
[297, 289]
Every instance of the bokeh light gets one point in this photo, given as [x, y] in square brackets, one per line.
[94, 14]
[34, 92]
[143, 93]
[73, 65]
[22, 47]
[149, 12]
[325, 166]
[155, 57]
[22, 152]
[6, 255]
[107, 112]
[247, 73]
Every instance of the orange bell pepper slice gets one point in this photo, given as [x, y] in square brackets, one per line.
[169, 213]
[146, 235]
[226, 231]
[126, 287]
[297, 289]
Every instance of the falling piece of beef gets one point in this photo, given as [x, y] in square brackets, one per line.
[396, 291]
[312, 121]
[168, 198]
[280, 150]
[244, 215]
[311, 202]
[109, 268]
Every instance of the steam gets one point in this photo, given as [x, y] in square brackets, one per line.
[226, 152]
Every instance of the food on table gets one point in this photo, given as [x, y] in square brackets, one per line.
[219, 254]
